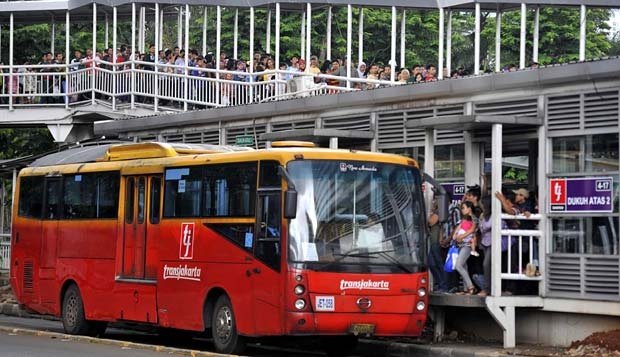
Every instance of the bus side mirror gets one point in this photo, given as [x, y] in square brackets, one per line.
[290, 204]
[442, 198]
[443, 205]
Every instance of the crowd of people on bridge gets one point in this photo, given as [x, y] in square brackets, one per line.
[469, 230]
[331, 72]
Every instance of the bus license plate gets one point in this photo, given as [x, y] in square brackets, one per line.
[362, 329]
[325, 303]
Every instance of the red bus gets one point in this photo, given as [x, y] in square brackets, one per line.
[234, 242]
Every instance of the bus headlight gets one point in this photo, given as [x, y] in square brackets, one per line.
[421, 292]
[299, 289]
[300, 304]
[420, 305]
[423, 281]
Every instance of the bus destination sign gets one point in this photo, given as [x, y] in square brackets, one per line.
[581, 194]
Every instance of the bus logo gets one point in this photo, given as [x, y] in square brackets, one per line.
[186, 245]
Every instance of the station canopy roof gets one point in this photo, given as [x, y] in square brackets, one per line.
[35, 11]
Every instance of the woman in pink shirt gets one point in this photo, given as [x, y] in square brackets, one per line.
[463, 236]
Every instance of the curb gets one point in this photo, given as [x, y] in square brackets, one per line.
[385, 348]
[104, 341]
[376, 347]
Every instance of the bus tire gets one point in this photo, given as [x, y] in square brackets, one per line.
[73, 318]
[224, 328]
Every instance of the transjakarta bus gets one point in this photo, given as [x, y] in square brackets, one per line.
[238, 243]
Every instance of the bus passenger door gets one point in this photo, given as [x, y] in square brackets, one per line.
[265, 269]
[49, 240]
[136, 285]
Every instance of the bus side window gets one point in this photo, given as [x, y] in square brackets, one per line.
[30, 197]
[267, 246]
[52, 198]
[129, 200]
[155, 200]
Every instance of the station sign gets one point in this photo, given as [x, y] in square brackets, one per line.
[244, 140]
[456, 191]
[585, 195]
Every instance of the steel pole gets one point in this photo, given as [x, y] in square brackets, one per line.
[440, 49]
[114, 81]
[403, 24]
[268, 33]
[94, 51]
[449, 44]
[477, 40]
[155, 65]
[347, 62]
[236, 34]
[277, 49]
[133, 55]
[308, 35]
[536, 34]
[186, 59]
[218, 50]
[360, 37]
[328, 50]
[498, 41]
[522, 38]
[204, 31]
[393, 46]
[582, 34]
[67, 55]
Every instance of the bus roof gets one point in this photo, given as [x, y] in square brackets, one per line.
[129, 151]
[141, 157]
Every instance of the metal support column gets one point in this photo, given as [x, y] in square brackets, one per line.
[536, 34]
[268, 32]
[251, 55]
[133, 55]
[161, 30]
[179, 28]
[543, 145]
[440, 50]
[393, 46]
[308, 35]
[94, 53]
[218, 52]
[498, 41]
[496, 186]
[236, 34]
[141, 27]
[302, 36]
[277, 45]
[449, 44]
[204, 31]
[403, 23]
[11, 63]
[328, 50]
[429, 165]
[582, 33]
[347, 62]
[473, 168]
[522, 38]
[53, 39]
[114, 69]
[67, 55]
[360, 37]
[156, 67]
[186, 59]
[477, 40]
[106, 38]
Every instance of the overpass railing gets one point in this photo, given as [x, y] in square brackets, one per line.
[161, 85]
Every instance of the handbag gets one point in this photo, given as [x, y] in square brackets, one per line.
[450, 264]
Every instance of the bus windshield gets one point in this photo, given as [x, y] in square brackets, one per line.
[355, 216]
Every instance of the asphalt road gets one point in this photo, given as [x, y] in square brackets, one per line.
[21, 343]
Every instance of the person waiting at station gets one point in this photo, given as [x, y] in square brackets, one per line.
[463, 236]
[438, 250]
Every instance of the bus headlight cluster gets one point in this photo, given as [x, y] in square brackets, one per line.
[300, 304]
[299, 289]
[421, 292]
[420, 305]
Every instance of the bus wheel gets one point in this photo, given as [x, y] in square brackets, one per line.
[73, 319]
[224, 328]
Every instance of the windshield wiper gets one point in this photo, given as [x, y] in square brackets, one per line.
[386, 256]
[346, 254]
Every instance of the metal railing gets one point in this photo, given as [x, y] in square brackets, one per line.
[524, 247]
[161, 85]
[5, 251]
